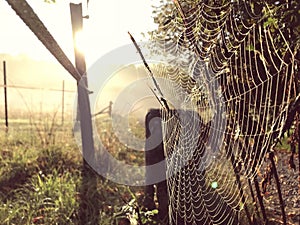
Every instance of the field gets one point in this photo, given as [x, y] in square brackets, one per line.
[43, 180]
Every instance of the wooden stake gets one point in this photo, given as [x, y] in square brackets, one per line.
[5, 95]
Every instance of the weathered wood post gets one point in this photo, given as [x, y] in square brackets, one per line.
[5, 95]
[89, 208]
[63, 103]
[83, 95]
[154, 153]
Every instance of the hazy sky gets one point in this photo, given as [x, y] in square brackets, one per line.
[105, 30]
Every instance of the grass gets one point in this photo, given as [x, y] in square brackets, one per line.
[115, 143]
[42, 182]
[45, 182]
[43, 199]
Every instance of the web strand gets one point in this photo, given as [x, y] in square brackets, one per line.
[231, 68]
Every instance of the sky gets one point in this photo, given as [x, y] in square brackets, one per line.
[105, 29]
[30, 64]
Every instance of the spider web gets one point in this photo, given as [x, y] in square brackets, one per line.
[231, 86]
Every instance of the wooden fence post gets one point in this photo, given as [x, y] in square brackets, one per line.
[83, 95]
[5, 95]
[63, 103]
[88, 207]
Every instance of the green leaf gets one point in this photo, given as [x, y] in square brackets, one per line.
[270, 22]
[250, 48]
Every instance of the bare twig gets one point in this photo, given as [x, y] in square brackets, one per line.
[271, 154]
[159, 97]
[260, 200]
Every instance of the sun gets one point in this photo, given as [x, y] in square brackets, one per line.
[81, 42]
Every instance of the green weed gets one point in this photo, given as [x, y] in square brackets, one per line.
[48, 184]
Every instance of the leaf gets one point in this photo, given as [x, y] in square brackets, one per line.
[49, 1]
[270, 22]
[250, 48]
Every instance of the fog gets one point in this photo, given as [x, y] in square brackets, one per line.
[42, 83]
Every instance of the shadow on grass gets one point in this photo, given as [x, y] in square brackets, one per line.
[89, 198]
[13, 180]
[18, 168]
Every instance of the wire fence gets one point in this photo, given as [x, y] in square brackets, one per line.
[25, 103]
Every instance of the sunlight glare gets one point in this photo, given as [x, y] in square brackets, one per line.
[214, 185]
[81, 42]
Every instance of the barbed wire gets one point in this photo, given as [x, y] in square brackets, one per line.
[35, 88]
